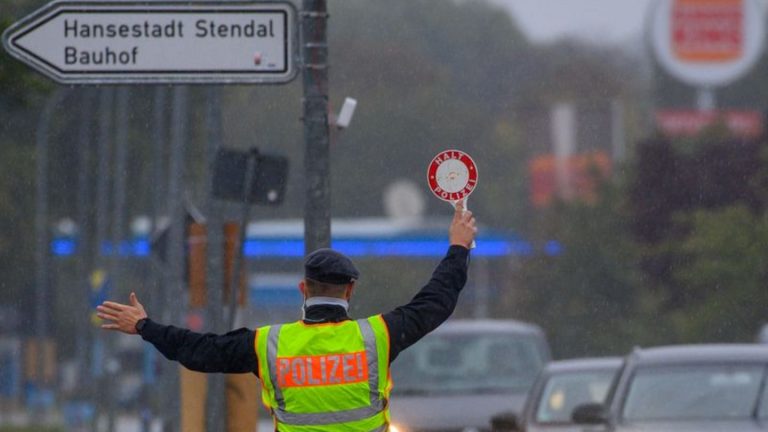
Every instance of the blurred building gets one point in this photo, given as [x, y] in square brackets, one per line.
[571, 147]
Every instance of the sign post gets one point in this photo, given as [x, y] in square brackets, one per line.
[159, 42]
[317, 163]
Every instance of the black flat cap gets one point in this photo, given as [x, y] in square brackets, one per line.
[329, 266]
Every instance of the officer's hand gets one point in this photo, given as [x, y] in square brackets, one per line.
[463, 230]
[124, 317]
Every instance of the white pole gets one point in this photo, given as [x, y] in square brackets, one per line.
[705, 99]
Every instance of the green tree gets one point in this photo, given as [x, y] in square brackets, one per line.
[723, 275]
[670, 180]
[584, 297]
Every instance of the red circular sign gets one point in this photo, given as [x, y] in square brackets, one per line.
[452, 175]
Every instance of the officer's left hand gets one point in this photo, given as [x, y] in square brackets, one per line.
[124, 317]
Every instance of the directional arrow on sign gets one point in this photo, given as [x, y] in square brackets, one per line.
[101, 42]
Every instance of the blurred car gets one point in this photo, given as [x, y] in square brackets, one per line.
[461, 374]
[560, 388]
[762, 337]
[686, 388]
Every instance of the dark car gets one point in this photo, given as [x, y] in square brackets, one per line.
[686, 388]
[461, 374]
[560, 388]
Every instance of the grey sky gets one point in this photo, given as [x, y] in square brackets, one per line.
[610, 21]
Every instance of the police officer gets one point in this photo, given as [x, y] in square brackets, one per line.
[326, 372]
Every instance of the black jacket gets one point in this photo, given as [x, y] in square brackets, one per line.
[234, 352]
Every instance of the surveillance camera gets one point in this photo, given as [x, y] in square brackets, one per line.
[346, 113]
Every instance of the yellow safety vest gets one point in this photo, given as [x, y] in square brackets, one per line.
[326, 377]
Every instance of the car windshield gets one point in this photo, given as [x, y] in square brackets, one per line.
[694, 392]
[565, 391]
[467, 363]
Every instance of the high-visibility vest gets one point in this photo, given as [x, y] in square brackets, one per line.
[326, 377]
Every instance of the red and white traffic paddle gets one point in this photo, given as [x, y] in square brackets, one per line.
[452, 177]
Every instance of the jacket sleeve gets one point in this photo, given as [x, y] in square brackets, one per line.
[233, 352]
[432, 305]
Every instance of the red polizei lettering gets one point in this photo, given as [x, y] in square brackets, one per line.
[283, 369]
[359, 358]
[330, 369]
[311, 380]
[349, 365]
[334, 360]
[298, 371]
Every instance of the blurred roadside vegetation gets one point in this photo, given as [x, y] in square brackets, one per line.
[672, 249]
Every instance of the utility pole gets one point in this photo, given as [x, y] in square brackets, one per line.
[122, 123]
[159, 134]
[42, 237]
[157, 275]
[176, 234]
[41, 216]
[317, 209]
[84, 261]
[215, 406]
[120, 179]
[176, 237]
[106, 101]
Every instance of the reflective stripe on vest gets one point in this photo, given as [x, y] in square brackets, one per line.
[300, 370]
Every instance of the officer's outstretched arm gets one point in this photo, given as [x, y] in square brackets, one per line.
[229, 353]
[436, 300]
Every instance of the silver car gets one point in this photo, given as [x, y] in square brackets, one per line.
[686, 388]
[560, 388]
[461, 374]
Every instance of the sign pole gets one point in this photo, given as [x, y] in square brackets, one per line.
[215, 407]
[158, 279]
[252, 165]
[42, 256]
[705, 99]
[176, 239]
[85, 260]
[101, 219]
[317, 212]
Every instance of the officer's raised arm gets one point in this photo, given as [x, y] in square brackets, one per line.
[435, 302]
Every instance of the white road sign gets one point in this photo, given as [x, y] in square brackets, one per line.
[105, 42]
